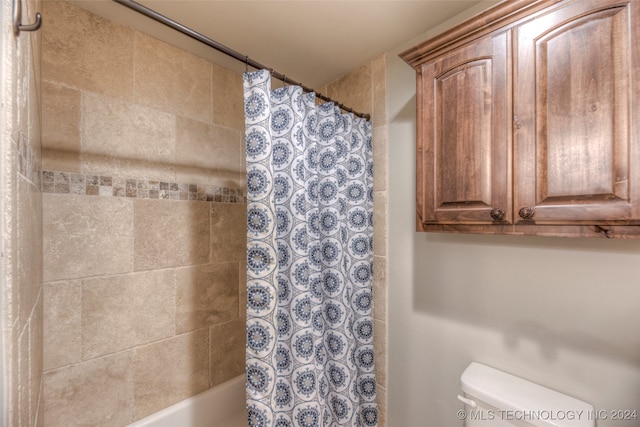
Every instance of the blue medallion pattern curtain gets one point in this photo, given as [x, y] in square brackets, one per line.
[310, 357]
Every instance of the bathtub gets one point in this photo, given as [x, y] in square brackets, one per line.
[220, 406]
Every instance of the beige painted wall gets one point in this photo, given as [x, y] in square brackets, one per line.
[560, 312]
[22, 293]
[144, 222]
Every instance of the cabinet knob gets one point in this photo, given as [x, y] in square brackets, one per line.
[497, 214]
[526, 212]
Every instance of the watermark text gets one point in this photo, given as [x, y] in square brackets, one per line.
[547, 415]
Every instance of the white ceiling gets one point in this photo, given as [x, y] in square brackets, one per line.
[313, 42]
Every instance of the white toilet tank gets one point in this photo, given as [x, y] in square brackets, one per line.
[497, 399]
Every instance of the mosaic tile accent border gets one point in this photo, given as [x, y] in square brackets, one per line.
[100, 185]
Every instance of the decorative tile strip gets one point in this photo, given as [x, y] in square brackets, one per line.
[100, 185]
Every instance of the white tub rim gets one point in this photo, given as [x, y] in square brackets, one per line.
[197, 411]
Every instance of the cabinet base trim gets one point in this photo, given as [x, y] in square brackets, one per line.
[596, 231]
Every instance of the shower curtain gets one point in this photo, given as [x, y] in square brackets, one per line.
[310, 357]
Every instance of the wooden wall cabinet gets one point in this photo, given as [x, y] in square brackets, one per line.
[528, 121]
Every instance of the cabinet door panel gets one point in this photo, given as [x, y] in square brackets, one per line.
[463, 155]
[463, 111]
[575, 145]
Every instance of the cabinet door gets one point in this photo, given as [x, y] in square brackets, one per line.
[463, 155]
[577, 151]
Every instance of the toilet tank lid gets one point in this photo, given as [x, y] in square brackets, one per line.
[523, 400]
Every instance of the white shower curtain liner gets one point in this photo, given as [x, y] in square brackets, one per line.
[310, 356]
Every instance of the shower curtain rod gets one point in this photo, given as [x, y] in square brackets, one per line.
[150, 13]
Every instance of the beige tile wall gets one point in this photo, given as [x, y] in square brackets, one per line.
[21, 269]
[143, 271]
[144, 299]
[364, 90]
